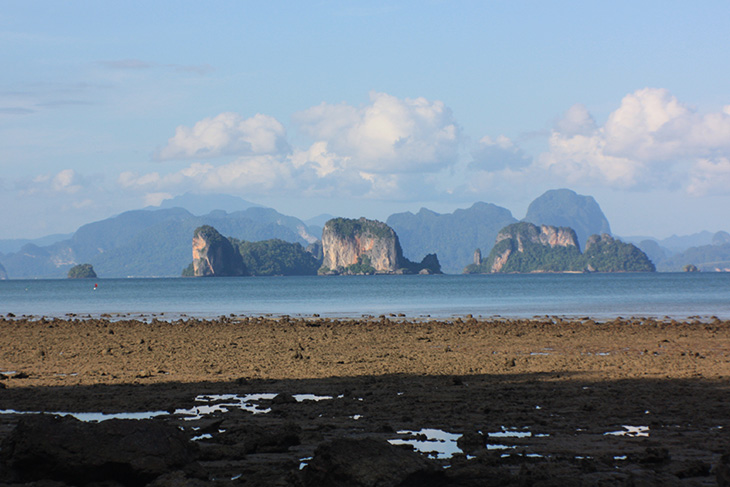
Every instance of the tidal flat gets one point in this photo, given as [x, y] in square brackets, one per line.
[371, 401]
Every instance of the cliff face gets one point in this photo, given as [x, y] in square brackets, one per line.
[347, 243]
[366, 247]
[524, 247]
[213, 254]
[565, 208]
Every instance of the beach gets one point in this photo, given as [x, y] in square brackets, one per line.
[540, 401]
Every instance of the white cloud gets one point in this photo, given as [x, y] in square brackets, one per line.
[227, 134]
[651, 139]
[65, 181]
[259, 174]
[389, 135]
[576, 121]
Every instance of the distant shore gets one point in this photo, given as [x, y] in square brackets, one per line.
[552, 376]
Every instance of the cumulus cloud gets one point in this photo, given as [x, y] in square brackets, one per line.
[257, 173]
[650, 139]
[227, 134]
[389, 148]
[388, 135]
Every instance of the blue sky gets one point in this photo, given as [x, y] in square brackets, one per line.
[365, 108]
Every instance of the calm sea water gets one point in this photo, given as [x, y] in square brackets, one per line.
[602, 296]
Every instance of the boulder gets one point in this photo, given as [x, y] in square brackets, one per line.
[129, 452]
[367, 462]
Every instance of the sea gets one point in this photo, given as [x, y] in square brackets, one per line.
[598, 296]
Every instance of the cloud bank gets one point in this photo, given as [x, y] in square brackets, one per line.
[650, 140]
[410, 149]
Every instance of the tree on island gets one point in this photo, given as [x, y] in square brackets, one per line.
[82, 271]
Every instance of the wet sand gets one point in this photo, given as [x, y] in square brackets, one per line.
[660, 386]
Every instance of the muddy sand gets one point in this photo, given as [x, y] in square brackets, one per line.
[316, 401]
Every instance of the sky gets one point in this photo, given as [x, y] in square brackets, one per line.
[365, 108]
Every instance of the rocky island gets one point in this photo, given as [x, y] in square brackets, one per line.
[368, 247]
[82, 271]
[216, 255]
[524, 247]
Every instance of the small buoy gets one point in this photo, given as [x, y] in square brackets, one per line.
[95, 286]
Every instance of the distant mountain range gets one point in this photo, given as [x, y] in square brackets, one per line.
[706, 250]
[155, 242]
[148, 243]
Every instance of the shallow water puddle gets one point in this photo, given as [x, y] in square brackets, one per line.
[442, 444]
[223, 402]
[631, 431]
[438, 443]
[216, 403]
[510, 433]
[93, 417]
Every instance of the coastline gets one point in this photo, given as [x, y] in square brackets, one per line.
[571, 381]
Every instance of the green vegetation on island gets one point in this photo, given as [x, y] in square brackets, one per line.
[276, 258]
[216, 255]
[82, 271]
[526, 248]
[350, 228]
[606, 254]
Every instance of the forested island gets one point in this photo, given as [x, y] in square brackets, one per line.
[526, 248]
[216, 255]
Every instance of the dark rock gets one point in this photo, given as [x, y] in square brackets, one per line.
[472, 443]
[214, 255]
[283, 398]
[125, 451]
[655, 454]
[722, 471]
[368, 462]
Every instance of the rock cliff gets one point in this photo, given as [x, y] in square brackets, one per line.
[566, 208]
[213, 254]
[367, 247]
[524, 247]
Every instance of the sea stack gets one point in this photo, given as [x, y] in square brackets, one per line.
[213, 254]
[367, 247]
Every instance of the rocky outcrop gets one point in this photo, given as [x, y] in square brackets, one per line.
[526, 233]
[366, 461]
[347, 242]
[566, 208]
[524, 247]
[606, 254]
[367, 247]
[115, 452]
[214, 255]
[82, 271]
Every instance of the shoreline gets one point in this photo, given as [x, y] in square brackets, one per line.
[573, 385]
